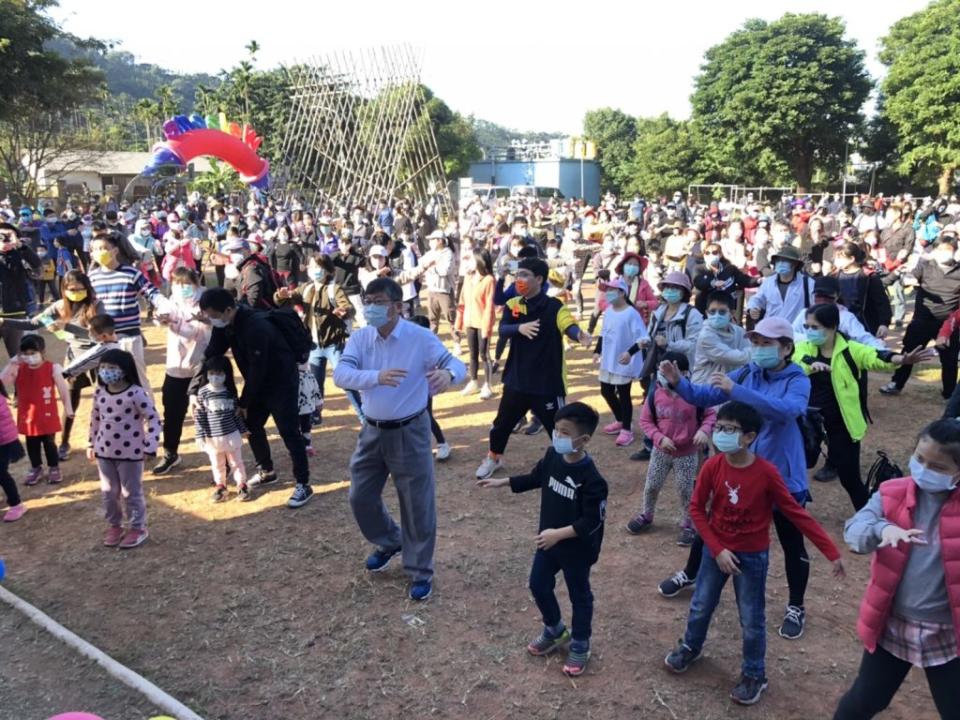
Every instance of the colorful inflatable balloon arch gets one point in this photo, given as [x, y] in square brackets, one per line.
[195, 136]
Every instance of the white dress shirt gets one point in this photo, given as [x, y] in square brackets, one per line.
[769, 300]
[408, 347]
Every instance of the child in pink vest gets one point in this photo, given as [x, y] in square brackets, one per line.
[910, 614]
[10, 451]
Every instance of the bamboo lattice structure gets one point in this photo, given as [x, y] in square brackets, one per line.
[358, 131]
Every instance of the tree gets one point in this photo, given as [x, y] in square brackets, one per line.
[922, 89]
[147, 112]
[664, 157]
[614, 133]
[781, 94]
[219, 180]
[456, 141]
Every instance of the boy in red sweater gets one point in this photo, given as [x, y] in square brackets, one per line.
[741, 491]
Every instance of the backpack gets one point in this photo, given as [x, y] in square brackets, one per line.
[294, 332]
[883, 469]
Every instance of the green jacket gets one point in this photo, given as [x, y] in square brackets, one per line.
[845, 386]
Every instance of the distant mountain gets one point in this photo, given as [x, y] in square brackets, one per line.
[489, 134]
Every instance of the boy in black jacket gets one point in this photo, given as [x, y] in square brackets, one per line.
[573, 503]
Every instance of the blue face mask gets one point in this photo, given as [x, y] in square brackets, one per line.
[672, 295]
[376, 315]
[562, 444]
[187, 291]
[631, 270]
[611, 296]
[110, 376]
[783, 267]
[765, 356]
[929, 480]
[726, 442]
[718, 321]
[317, 275]
[816, 337]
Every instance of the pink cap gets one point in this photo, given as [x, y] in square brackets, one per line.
[773, 328]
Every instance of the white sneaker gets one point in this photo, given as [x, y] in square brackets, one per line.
[485, 392]
[443, 451]
[470, 388]
[488, 467]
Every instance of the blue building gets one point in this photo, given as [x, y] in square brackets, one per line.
[574, 178]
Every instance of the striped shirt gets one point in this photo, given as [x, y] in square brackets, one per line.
[118, 290]
[215, 414]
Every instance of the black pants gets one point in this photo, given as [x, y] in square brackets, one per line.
[498, 350]
[306, 426]
[921, 330]
[7, 482]
[881, 675]
[218, 271]
[575, 566]
[282, 404]
[42, 286]
[479, 351]
[434, 425]
[843, 454]
[795, 558]
[76, 390]
[46, 442]
[618, 398]
[513, 406]
[175, 404]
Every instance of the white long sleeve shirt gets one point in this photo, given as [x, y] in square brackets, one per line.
[621, 329]
[768, 297]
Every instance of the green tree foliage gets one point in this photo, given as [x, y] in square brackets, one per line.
[220, 179]
[614, 132]
[664, 157]
[922, 88]
[456, 140]
[780, 95]
[490, 135]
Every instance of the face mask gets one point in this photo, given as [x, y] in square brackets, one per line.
[515, 250]
[283, 239]
[231, 272]
[345, 248]
[662, 380]
[816, 337]
[217, 381]
[376, 315]
[145, 232]
[187, 291]
[765, 356]
[608, 246]
[41, 254]
[110, 376]
[317, 275]
[103, 257]
[631, 270]
[672, 295]
[718, 321]
[33, 359]
[712, 259]
[726, 442]
[944, 259]
[563, 445]
[75, 295]
[783, 267]
[219, 322]
[51, 220]
[929, 480]
[378, 262]
[522, 286]
[612, 295]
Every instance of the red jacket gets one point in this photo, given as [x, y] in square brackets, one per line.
[899, 499]
[642, 297]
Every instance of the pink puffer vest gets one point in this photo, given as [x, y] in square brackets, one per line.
[899, 500]
[8, 428]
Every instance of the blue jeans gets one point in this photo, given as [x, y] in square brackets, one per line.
[319, 357]
[575, 564]
[750, 588]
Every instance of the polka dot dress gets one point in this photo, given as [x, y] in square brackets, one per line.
[124, 425]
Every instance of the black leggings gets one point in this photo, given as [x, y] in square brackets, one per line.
[881, 675]
[35, 443]
[843, 454]
[434, 425]
[176, 402]
[921, 330]
[618, 398]
[497, 352]
[479, 351]
[795, 558]
[306, 426]
[7, 482]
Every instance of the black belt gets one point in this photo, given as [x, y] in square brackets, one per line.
[394, 424]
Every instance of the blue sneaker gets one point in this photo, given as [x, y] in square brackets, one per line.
[421, 589]
[380, 558]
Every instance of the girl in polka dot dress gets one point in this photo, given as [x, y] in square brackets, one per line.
[124, 428]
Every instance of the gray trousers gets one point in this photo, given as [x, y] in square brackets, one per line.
[405, 453]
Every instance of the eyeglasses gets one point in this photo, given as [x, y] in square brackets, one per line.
[727, 428]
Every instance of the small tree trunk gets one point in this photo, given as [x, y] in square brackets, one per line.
[945, 183]
[803, 171]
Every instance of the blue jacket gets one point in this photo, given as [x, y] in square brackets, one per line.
[49, 233]
[781, 398]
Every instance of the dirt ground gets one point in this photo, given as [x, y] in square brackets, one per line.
[257, 612]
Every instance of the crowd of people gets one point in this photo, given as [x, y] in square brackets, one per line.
[747, 327]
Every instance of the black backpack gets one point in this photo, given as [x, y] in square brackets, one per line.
[883, 469]
[294, 332]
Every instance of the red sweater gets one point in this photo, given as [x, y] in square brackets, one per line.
[741, 507]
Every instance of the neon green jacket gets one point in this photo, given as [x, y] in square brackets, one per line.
[845, 387]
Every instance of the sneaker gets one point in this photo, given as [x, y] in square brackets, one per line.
[113, 536]
[262, 477]
[486, 392]
[244, 494]
[534, 427]
[576, 662]
[641, 454]
[488, 467]
[470, 388]
[613, 428]
[421, 590]
[14, 513]
[301, 496]
[547, 643]
[624, 438]
[825, 474]
[33, 477]
[640, 523]
[54, 477]
[519, 426]
[748, 690]
[681, 658]
[310, 451]
[378, 560]
[792, 627]
[133, 538]
[169, 462]
[443, 451]
[673, 586]
[890, 389]
[219, 494]
[495, 370]
[63, 452]
[687, 535]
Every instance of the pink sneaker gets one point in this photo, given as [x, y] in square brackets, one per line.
[613, 428]
[53, 476]
[14, 513]
[133, 538]
[311, 452]
[625, 438]
[33, 477]
[113, 536]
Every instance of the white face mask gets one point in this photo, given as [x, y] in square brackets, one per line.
[33, 359]
[217, 381]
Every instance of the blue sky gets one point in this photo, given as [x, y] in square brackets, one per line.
[529, 66]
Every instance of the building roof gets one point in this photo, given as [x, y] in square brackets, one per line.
[110, 163]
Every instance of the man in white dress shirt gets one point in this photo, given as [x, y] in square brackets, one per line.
[396, 365]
